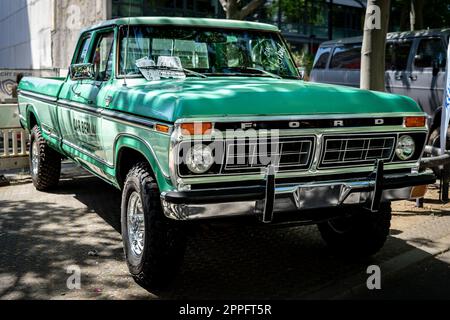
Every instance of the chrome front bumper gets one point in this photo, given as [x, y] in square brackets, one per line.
[272, 200]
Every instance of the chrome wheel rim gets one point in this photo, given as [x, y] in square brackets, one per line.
[35, 158]
[136, 224]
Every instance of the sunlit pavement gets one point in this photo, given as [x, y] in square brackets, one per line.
[44, 234]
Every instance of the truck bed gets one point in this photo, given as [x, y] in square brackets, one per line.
[43, 86]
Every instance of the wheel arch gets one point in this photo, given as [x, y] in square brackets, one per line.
[129, 150]
[32, 118]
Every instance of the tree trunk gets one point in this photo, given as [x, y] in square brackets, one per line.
[412, 16]
[374, 45]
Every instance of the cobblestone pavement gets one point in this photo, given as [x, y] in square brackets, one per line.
[42, 234]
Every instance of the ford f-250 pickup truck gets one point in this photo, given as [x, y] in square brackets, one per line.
[197, 119]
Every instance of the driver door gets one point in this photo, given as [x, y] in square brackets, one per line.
[83, 100]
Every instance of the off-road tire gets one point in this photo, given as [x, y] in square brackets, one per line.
[361, 233]
[48, 171]
[164, 242]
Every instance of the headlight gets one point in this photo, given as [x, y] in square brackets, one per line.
[406, 148]
[199, 159]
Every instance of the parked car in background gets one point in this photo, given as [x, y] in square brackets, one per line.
[415, 67]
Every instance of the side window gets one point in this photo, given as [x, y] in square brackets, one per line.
[430, 51]
[83, 50]
[397, 55]
[346, 57]
[322, 58]
[102, 56]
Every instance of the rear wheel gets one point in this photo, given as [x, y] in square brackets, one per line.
[360, 233]
[45, 163]
[154, 245]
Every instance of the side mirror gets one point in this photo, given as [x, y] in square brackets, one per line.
[82, 71]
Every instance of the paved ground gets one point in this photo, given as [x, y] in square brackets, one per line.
[42, 234]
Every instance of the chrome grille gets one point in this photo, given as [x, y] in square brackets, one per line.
[356, 150]
[286, 154]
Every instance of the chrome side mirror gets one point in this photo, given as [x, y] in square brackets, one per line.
[82, 71]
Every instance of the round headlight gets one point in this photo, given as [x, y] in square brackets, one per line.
[406, 148]
[199, 159]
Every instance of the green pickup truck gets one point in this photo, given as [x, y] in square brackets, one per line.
[199, 119]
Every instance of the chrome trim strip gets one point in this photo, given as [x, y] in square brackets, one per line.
[303, 132]
[79, 107]
[114, 115]
[42, 97]
[253, 118]
[128, 119]
[49, 133]
[87, 153]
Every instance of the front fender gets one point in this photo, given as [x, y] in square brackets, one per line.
[139, 145]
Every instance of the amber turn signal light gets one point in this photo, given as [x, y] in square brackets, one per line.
[162, 128]
[197, 128]
[414, 122]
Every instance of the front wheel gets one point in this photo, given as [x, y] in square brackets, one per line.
[45, 163]
[360, 233]
[153, 245]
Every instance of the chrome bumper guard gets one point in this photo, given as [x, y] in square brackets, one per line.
[268, 200]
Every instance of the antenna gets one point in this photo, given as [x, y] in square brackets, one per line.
[127, 46]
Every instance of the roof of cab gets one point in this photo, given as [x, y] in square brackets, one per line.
[192, 22]
[392, 36]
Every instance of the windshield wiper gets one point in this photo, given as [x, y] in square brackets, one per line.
[263, 71]
[188, 71]
[194, 73]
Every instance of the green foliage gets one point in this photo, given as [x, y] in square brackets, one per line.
[304, 60]
[429, 14]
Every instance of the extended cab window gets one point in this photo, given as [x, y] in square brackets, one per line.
[430, 51]
[397, 55]
[322, 56]
[346, 57]
[102, 56]
[83, 50]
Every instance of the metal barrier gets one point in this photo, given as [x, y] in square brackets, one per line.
[13, 139]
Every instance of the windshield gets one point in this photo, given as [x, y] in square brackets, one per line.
[208, 51]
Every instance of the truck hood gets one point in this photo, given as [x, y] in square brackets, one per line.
[170, 100]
